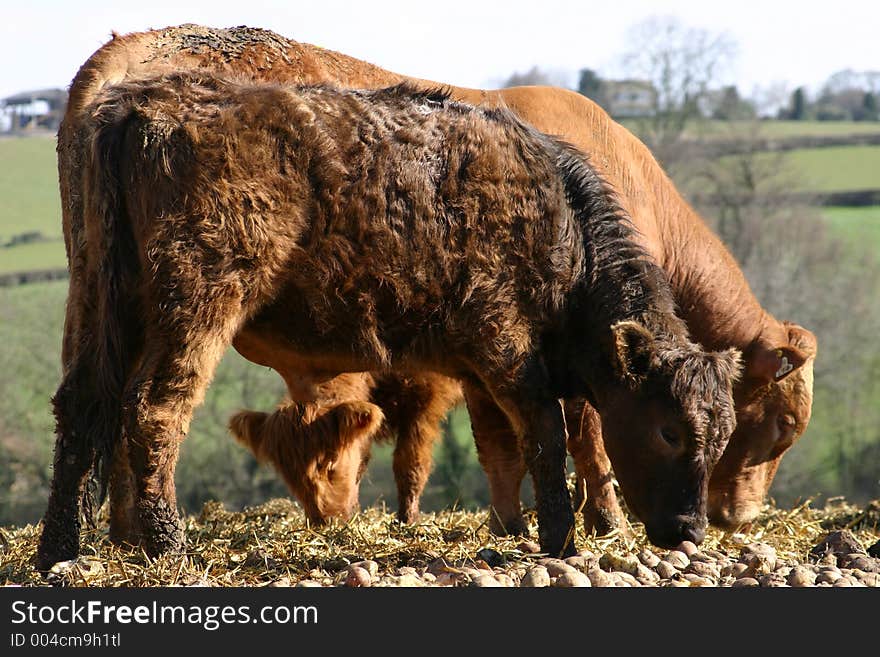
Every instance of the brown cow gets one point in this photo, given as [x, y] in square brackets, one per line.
[317, 467]
[365, 231]
[709, 288]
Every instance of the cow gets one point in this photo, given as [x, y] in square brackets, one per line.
[710, 289]
[356, 230]
[323, 471]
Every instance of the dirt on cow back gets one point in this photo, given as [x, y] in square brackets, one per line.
[274, 545]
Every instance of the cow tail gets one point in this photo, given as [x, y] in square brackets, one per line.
[118, 329]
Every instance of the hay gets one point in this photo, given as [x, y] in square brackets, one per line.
[274, 543]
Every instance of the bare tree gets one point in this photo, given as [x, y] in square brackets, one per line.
[682, 63]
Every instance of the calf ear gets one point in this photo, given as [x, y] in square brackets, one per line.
[769, 364]
[632, 351]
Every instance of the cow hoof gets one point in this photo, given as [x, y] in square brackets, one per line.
[604, 521]
[511, 527]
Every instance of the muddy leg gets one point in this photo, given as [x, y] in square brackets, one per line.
[124, 525]
[79, 417]
[498, 450]
[594, 491]
[177, 366]
[539, 421]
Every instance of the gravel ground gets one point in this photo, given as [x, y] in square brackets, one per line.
[272, 545]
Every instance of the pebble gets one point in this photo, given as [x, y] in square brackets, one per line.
[407, 570]
[281, 582]
[556, 567]
[369, 565]
[648, 558]
[625, 564]
[409, 581]
[574, 579]
[772, 580]
[599, 578]
[678, 559]
[734, 570]
[577, 562]
[828, 576]
[688, 548]
[675, 583]
[801, 576]
[505, 580]
[646, 576]
[745, 581]
[536, 576]
[703, 569]
[358, 577]
[307, 583]
[843, 581]
[838, 543]
[448, 579]
[759, 557]
[860, 562]
[485, 581]
[666, 569]
[868, 579]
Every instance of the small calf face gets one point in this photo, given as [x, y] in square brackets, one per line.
[321, 452]
[666, 430]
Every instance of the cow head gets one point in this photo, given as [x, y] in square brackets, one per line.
[666, 422]
[321, 454]
[773, 403]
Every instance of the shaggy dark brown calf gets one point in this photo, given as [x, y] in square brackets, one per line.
[337, 231]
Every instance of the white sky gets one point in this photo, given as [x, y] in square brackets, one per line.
[464, 42]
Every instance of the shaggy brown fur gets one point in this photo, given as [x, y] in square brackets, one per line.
[361, 231]
[712, 294]
[414, 406]
[321, 452]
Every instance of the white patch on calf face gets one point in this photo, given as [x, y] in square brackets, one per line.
[784, 368]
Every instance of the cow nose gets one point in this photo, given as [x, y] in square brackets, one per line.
[690, 529]
[693, 534]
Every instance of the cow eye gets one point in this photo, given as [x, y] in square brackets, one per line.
[786, 423]
[670, 436]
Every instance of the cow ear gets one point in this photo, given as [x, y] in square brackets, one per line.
[774, 364]
[632, 351]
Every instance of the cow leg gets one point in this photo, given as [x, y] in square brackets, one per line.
[422, 404]
[594, 492]
[538, 421]
[498, 451]
[80, 415]
[124, 524]
[178, 363]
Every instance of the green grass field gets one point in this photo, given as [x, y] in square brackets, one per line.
[772, 129]
[858, 226]
[29, 187]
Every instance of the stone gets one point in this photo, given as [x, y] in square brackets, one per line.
[703, 569]
[801, 576]
[678, 559]
[308, 583]
[485, 581]
[556, 567]
[358, 577]
[574, 579]
[599, 578]
[369, 565]
[828, 577]
[772, 580]
[734, 570]
[838, 543]
[536, 576]
[760, 559]
[409, 581]
[624, 564]
[666, 569]
[743, 582]
[577, 562]
[687, 547]
[648, 558]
